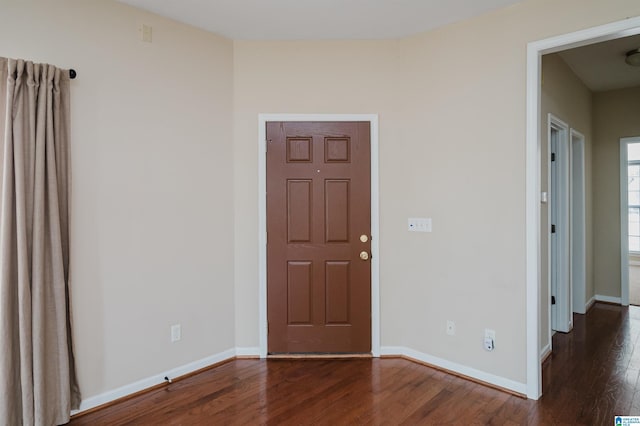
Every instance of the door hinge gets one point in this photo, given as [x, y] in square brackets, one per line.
[553, 300]
[553, 229]
[553, 156]
[267, 327]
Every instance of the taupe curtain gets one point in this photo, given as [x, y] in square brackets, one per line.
[37, 374]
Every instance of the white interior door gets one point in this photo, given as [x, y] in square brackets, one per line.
[559, 242]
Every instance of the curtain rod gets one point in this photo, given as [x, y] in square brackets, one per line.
[72, 73]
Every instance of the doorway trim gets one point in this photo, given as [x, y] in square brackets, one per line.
[262, 219]
[624, 218]
[535, 50]
[577, 207]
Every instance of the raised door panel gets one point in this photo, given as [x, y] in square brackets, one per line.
[299, 208]
[338, 290]
[299, 292]
[336, 213]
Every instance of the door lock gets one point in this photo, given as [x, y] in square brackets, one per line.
[364, 238]
[364, 255]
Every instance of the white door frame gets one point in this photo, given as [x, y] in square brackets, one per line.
[578, 245]
[559, 261]
[262, 219]
[535, 50]
[624, 219]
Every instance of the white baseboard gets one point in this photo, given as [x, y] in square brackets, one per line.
[248, 352]
[129, 389]
[112, 395]
[545, 351]
[590, 304]
[608, 299]
[456, 368]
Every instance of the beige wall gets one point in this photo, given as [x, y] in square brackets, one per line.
[152, 183]
[616, 115]
[565, 96]
[451, 148]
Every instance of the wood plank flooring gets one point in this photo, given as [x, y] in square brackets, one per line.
[592, 375]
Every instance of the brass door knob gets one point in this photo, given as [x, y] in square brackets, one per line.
[364, 255]
[364, 238]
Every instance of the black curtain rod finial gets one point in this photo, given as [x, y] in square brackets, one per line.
[72, 73]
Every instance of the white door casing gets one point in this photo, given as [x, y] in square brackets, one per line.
[578, 227]
[262, 219]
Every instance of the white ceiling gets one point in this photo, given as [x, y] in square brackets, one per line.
[318, 19]
[601, 66]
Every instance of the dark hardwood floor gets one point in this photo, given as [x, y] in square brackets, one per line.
[592, 375]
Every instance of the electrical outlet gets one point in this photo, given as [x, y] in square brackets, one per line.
[176, 333]
[489, 339]
[451, 328]
[488, 344]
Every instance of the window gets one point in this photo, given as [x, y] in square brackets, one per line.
[633, 192]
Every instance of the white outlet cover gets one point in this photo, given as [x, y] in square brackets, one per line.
[451, 328]
[176, 333]
[489, 344]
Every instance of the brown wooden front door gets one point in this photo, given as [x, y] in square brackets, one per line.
[318, 226]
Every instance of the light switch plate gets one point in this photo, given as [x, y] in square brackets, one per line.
[419, 224]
